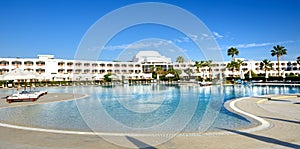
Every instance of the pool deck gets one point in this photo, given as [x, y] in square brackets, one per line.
[282, 112]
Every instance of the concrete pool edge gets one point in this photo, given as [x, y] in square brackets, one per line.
[262, 125]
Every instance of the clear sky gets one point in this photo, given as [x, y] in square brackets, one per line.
[31, 27]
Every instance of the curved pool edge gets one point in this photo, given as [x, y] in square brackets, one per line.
[263, 124]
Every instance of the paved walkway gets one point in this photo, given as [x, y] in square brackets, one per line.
[283, 112]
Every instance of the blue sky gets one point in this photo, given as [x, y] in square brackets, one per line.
[31, 27]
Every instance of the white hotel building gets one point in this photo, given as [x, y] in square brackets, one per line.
[52, 69]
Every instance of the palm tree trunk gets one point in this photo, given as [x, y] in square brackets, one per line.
[278, 60]
[210, 75]
[266, 74]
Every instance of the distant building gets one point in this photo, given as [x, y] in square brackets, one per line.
[139, 68]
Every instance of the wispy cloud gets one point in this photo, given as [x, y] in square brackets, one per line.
[193, 37]
[182, 39]
[186, 39]
[253, 45]
[217, 35]
[289, 41]
[116, 47]
[138, 45]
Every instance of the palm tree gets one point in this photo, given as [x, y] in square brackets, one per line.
[239, 64]
[232, 51]
[266, 65]
[298, 60]
[180, 59]
[278, 51]
[156, 71]
[209, 65]
[231, 66]
[175, 72]
[188, 71]
[199, 65]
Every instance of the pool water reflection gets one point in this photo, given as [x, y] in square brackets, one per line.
[139, 106]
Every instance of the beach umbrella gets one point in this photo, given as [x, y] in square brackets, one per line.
[169, 75]
[113, 77]
[18, 75]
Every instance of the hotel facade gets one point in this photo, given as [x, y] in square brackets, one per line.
[51, 69]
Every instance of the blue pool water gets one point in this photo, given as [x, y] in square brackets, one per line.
[140, 108]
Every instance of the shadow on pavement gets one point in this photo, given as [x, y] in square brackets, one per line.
[263, 138]
[284, 120]
[139, 143]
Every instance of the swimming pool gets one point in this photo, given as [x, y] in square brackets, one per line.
[140, 108]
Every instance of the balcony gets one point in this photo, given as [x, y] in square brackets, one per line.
[60, 64]
[28, 63]
[40, 63]
[16, 63]
[4, 63]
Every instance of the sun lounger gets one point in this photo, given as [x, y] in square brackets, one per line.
[26, 96]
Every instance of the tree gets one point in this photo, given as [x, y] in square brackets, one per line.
[180, 59]
[298, 60]
[175, 72]
[232, 52]
[239, 64]
[266, 65]
[107, 77]
[209, 64]
[188, 71]
[278, 51]
[156, 71]
[199, 65]
[231, 66]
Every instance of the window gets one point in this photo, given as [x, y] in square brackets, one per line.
[40, 63]
[70, 64]
[4, 63]
[94, 71]
[28, 63]
[61, 70]
[69, 71]
[101, 71]
[244, 64]
[61, 64]
[40, 70]
[16, 63]
[95, 65]
[78, 71]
